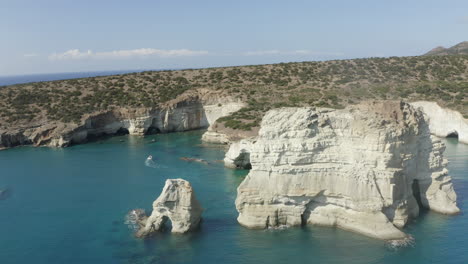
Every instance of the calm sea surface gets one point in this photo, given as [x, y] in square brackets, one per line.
[68, 206]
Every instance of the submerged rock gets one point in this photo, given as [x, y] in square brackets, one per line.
[176, 203]
[135, 219]
[366, 168]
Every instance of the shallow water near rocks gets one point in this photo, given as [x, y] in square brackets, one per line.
[69, 206]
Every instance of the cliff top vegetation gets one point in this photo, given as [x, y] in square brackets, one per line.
[334, 84]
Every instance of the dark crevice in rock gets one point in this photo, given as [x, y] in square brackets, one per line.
[166, 225]
[247, 166]
[453, 134]
[122, 131]
[152, 130]
[417, 193]
[243, 161]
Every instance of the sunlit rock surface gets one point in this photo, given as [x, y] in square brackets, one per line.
[364, 168]
[444, 122]
[176, 203]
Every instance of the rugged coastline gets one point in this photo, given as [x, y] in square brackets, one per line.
[189, 112]
[67, 112]
[186, 113]
[367, 168]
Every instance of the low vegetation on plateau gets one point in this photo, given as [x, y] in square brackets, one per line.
[332, 84]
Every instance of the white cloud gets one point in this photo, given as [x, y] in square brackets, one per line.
[30, 55]
[291, 52]
[144, 52]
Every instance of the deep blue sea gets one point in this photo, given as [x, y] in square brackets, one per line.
[68, 206]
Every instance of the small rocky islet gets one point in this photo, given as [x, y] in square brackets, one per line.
[176, 203]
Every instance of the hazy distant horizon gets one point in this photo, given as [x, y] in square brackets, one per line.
[54, 76]
[42, 77]
[63, 36]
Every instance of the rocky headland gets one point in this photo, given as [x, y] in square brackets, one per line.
[368, 168]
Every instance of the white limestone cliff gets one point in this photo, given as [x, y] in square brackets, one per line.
[364, 168]
[238, 155]
[188, 113]
[444, 122]
[176, 203]
[212, 135]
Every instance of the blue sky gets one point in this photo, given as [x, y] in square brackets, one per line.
[39, 36]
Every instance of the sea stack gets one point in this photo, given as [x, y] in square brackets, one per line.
[176, 203]
[367, 168]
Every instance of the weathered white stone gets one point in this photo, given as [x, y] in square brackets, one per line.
[215, 137]
[238, 155]
[444, 122]
[221, 109]
[353, 168]
[214, 112]
[176, 203]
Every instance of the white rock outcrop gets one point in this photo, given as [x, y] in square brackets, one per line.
[364, 168]
[214, 112]
[215, 137]
[444, 122]
[176, 203]
[238, 155]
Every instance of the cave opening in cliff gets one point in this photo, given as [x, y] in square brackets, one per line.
[453, 134]
[152, 131]
[417, 193]
[122, 131]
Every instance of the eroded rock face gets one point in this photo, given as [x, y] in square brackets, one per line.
[238, 155]
[444, 122]
[362, 168]
[176, 203]
[192, 111]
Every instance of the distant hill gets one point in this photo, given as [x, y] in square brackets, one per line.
[459, 49]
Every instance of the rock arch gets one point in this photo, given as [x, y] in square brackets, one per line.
[177, 203]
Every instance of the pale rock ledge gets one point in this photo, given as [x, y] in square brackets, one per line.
[444, 122]
[364, 168]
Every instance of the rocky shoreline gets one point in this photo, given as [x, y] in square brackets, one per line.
[187, 113]
[190, 112]
[367, 168]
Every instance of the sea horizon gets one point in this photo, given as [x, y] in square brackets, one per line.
[44, 77]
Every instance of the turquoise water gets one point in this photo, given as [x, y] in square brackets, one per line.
[68, 206]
